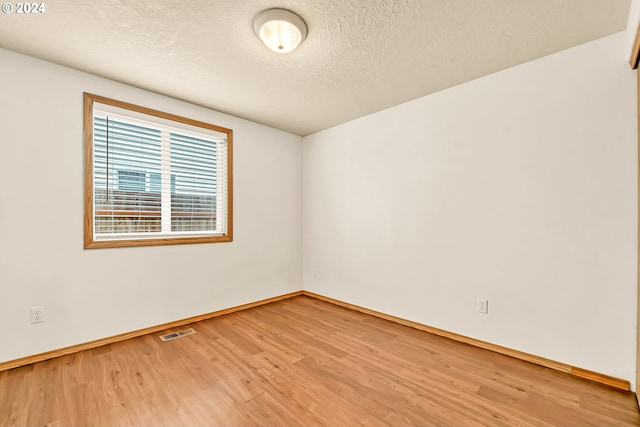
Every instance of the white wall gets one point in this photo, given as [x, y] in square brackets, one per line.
[91, 294]
[519, 187]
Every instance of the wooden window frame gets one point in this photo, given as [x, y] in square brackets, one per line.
[89, 241]
[633, 61]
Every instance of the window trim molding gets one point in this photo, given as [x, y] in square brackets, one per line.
[89, 242]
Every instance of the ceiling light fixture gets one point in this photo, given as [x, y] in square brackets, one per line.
[280, 29]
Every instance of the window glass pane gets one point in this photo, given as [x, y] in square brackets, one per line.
[193, 183]
[126, 155]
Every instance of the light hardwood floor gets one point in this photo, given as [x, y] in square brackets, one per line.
[302, 362]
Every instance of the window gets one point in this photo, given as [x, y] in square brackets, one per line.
[152, 178]
[132, 180]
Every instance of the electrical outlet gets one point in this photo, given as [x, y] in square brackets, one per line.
[315, 272]
[482, 305]
[37, 314]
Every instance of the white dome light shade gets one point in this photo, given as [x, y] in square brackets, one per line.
[281, 30]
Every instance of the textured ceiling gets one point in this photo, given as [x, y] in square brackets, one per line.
[360, 56]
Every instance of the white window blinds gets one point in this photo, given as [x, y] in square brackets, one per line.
[155, 178]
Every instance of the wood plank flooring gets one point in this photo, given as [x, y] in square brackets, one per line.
[302, 362]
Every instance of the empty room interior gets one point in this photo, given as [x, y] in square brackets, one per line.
[261, 213]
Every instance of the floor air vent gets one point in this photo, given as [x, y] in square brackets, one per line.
[174, 335]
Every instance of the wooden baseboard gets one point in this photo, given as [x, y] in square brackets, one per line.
[28, 360]
[558, 366]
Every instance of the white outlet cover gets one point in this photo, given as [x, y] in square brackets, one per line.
[37, 314]
[482, 305]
